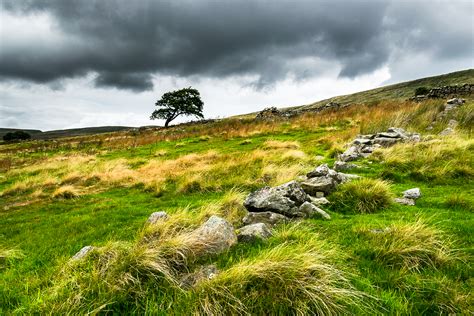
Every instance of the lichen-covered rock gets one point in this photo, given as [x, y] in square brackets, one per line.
[284, 199]
[414, 193]
[268, 218]
[157, 216]
[82, 253]
[217, 235]
[311, 210]
[254, 232]
[319, 201]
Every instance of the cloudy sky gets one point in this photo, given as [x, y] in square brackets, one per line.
[67, 63]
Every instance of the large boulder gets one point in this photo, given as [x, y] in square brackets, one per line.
[216, 234]
[254, 232]
[268, 218]
[284, 199]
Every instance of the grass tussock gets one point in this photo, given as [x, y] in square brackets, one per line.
[65, 192]
[411, 246]
[7, 256]
[362, 196]
[438, 160]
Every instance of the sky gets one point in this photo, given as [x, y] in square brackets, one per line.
[73, 63]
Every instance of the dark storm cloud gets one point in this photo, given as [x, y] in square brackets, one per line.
[126, 42]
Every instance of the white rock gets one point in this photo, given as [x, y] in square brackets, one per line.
[156, 216]
[414, 193]
[82, 253]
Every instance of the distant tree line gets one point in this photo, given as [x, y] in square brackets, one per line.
[16, 136]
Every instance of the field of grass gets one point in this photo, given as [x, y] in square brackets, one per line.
[372, 257]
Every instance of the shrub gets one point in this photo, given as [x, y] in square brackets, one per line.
[422, 90]
[362, 196]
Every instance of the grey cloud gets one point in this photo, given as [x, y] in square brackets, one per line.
[126, 42]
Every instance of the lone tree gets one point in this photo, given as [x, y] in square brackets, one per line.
[172, 104]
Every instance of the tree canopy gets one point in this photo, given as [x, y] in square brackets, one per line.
[172, 104]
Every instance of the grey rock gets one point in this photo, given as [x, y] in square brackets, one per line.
[284, 199]
[352, 153]
[456, 101]
[319, 201]
[157, 216]
[404, 201]
[216, 234]
[254, 232]
[362, 141]
[311, 210]
[319, 195]
[452, 123]
[319, 184]
[319, 171]
[447, 131]
[82, 253]
[202, 273]
[342, 165]
[366, 136]
[389, 135]
[268, 218]
[385, 141]
[414, 193]
[345, 177]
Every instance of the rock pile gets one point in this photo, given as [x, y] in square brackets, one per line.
[364, 145]
[409, 197]
[272, 113]
[451, 105]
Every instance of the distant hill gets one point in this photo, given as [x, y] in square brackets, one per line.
[403, 90]
[37, 134]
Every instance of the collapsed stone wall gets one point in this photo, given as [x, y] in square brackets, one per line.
[446, 92]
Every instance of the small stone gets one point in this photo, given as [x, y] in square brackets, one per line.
[157, 216]
[342, 165]
[362, 141]
[405, 201]
[311, 210]
[82, 253]
[254, 232]
[203, 273]
[447, 131]
[414, 193]
[385, 141]
[319, 201]
[319, 194]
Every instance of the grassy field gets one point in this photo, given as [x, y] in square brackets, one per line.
[57, 197]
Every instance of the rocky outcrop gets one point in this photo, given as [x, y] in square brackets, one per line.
[253, 232]
[364, 145]
[323, 180]
[312, 210]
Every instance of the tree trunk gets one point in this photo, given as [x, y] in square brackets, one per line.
[168, 120]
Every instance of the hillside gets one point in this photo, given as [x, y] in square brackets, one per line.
[72, 132]
[156, 221]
